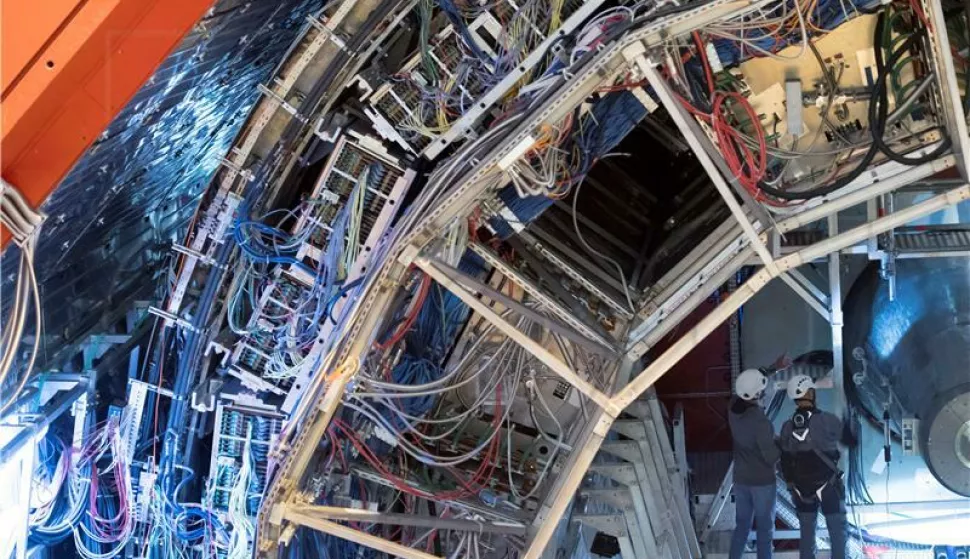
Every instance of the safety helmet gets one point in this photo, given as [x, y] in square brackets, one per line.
[750, 384]
[799, 386]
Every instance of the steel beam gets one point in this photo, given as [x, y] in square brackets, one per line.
[691, 131]
[669, 306]
[720, 240]
[941, 60]
[50, 412]
[680, 311]
[565, 485]
[806, 296]
[590, 266]
[883, 179]
[746, 291]
[535, 292]
[479, 288]
[835, 307]
[549, 254]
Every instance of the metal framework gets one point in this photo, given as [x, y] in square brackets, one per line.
[733, 245]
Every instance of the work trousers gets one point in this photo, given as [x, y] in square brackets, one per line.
[757, 503]
[831, 499]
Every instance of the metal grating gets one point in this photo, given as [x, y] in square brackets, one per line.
[947, 240]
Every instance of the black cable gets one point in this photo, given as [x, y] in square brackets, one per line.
[879, 102]
[856, 171]
[878, 113]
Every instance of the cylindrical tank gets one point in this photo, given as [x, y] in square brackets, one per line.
[911, 356]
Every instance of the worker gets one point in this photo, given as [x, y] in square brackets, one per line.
[755, 456]
[809, 444]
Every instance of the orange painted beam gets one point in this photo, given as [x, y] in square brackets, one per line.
[68, 67]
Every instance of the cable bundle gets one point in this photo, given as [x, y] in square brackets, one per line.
[779, 25]
[89, 493]
[288, 334]
[566, 159]
[762, 168]
[23, 223]
[242, 529]
[53, 521]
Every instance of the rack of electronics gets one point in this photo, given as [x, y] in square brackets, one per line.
[414, 340]
[799, 115]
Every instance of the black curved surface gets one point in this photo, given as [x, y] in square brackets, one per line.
[114, 217]
[919, 346]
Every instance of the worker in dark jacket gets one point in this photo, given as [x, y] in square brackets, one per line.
[755, 456]
[809, 444]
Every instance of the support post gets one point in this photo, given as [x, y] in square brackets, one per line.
[564, 487]
[369, 516]
[802, 292]
[689, 129]
[835, 301]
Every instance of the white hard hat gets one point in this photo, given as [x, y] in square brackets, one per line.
[750, 384]
[799, 386]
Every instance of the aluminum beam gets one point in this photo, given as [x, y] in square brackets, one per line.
[695, 138]
[941, 61]
[434, 270]
[369, 516]
[47, 415]
[565, 485]
[293, 514]
[835, 307]
[810, 299]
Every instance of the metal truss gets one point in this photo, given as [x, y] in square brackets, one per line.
[748, 234]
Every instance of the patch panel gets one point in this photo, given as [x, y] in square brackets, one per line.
[238, 429]
[405, 100]
[354, 157]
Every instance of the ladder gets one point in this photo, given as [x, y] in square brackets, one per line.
[646, 493]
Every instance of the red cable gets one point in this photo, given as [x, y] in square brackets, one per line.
[749, 168]
[707, 67]
[412, 316]
[918, 10]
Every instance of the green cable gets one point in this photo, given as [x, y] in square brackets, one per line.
[425, 39]
[894, 77]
